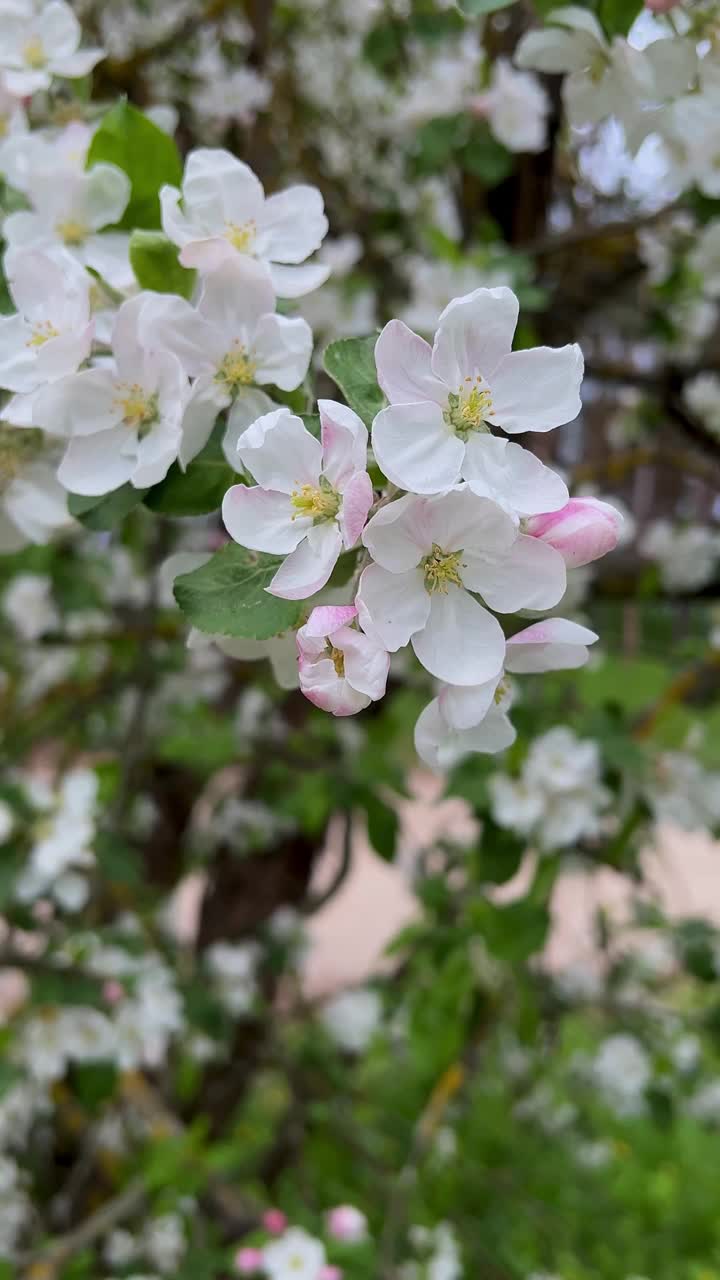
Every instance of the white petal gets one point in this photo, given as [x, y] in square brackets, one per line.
[466, 705]
[108, 253]
[282, 347]
[323, 687]
[105, 192]
[397, 536]
[357, 501]
[524, 578]
[403, 362]
[308, 568]
[250, 404]
[261, 519]
[201, 413]
[474, 334]
[18, 360]
[235, 297]
[280, 453]
[295, 282]
[555, 644]
[82, 404]
[156, 453]
[95, 464]
[441, 747]
[293, 224]
[344, 441]
[174, 223]
[416, 449]
[61, 31]
[210, 254]
[219, 189]
[396, 604]
[367, 663]
[461, 643]
[172, 324]
[556, 51]
[461, 521]
[511, 476]
[78, 64]
[538, 389]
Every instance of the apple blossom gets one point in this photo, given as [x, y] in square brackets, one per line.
[69, 209]
[342, 670]
[516, 107]
[441, 746]
[39, 43]
[51, 333]
[123, 419]
[346, 1222]
[295, 1253]
[312, 496]
[230, 343]
[444, 401]
[223, 212]
[274, 1221]
[430, 554]
[582, 531]
[33, 503]
[248, 1261]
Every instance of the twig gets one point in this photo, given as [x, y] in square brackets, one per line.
[46, 1263]
[577, 236]
[315, 903]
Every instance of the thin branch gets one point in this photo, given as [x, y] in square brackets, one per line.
[315, 903]
[46, 1263]
[558, 242]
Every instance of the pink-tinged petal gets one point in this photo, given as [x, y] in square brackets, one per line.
[357, 501]
[398, 537]
[441, 747]
[461, 642]
[511, 476]
[367, 663]
[474, 334]
[465, 706]
[94, 465]
[524, 578]
[582, 531]
[392, 606]
[282, 347]
[327, 618]
[280, 453]
[537, 390]
[327, 690]
[344, 439]
[555, 644]
[308, 568]
[416, 449]
[261, 519]
[206, 255]
[403, 362]
[295, 282]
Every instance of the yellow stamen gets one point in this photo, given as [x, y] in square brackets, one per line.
[337, 658]
[71, 231]
[34, 54]
[442, 568]
[237, 368]
[469, 408]
[42, 333]
[241, 235]
[139, 409]
[320, 502]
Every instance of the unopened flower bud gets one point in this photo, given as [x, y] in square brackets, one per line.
[583, 530]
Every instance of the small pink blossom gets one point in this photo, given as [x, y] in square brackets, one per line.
[583, 530]
[248, 1261]
[341, 669]
[274, 1221]
[345, 1222]
[329, 1272]
[112, 991]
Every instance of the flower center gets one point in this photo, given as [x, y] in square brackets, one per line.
[441, 568]
[237, 368]
[42, 333]
[469, 407]
[241, 235]
[598, 66]
[320, 502]
[139, 409]
[34, 53]
[71, 231]
[337, 657]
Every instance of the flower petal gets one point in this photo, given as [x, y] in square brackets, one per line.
[280, 453]
[461, 643]
[523, 578]
[466, 705]
[393, 605]
[344, 440]
[250, 404]
[416, 449]
[367, 662]
[261, 519]
[511, 476]
[327, 618]
[538, 389]
[282, 347]
[397, 536]
[293, 224]
[403, 363]
[308, 568]
[199, 418]
[555, 644]
[82, 404]
[357, 501]
[234, 298]
[442, 747]
[295, 282]
[95, 464]
[474, 334]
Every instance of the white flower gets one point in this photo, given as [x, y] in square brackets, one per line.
[296, 1255]
[445, 399]
[53, 1037]
[559, 761]
[516, 107]
[70, 208]
[145, 1022]
[702, 397]
[64, 836]
[225, 213]
[230, 344]
[342, 670]
[622, 1071]
[163, 1241]
[124, 418]
[312, 497]
[51, 333]
[37, 45]
[685, 793]
[28, 603]
[687, 557]
[430, 554]
[33, 503]
[352, 1018]
[236, 95]
[233, 966]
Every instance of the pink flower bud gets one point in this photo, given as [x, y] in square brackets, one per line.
[661, 6]
[583, 530]
[112, 991]
[328, 1272]
[274, 1221]
[248, 1260]
[345, 1222]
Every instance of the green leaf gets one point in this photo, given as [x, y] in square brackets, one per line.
[351, 364]
[382, 826]
[474, 8]
[148, 156]
[617, 16]
[198, 490]
[107, 511]
[154, 259]
[227, 595]
[484, 156]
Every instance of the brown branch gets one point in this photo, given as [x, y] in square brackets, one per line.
[46, 1263]
[577, 237]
